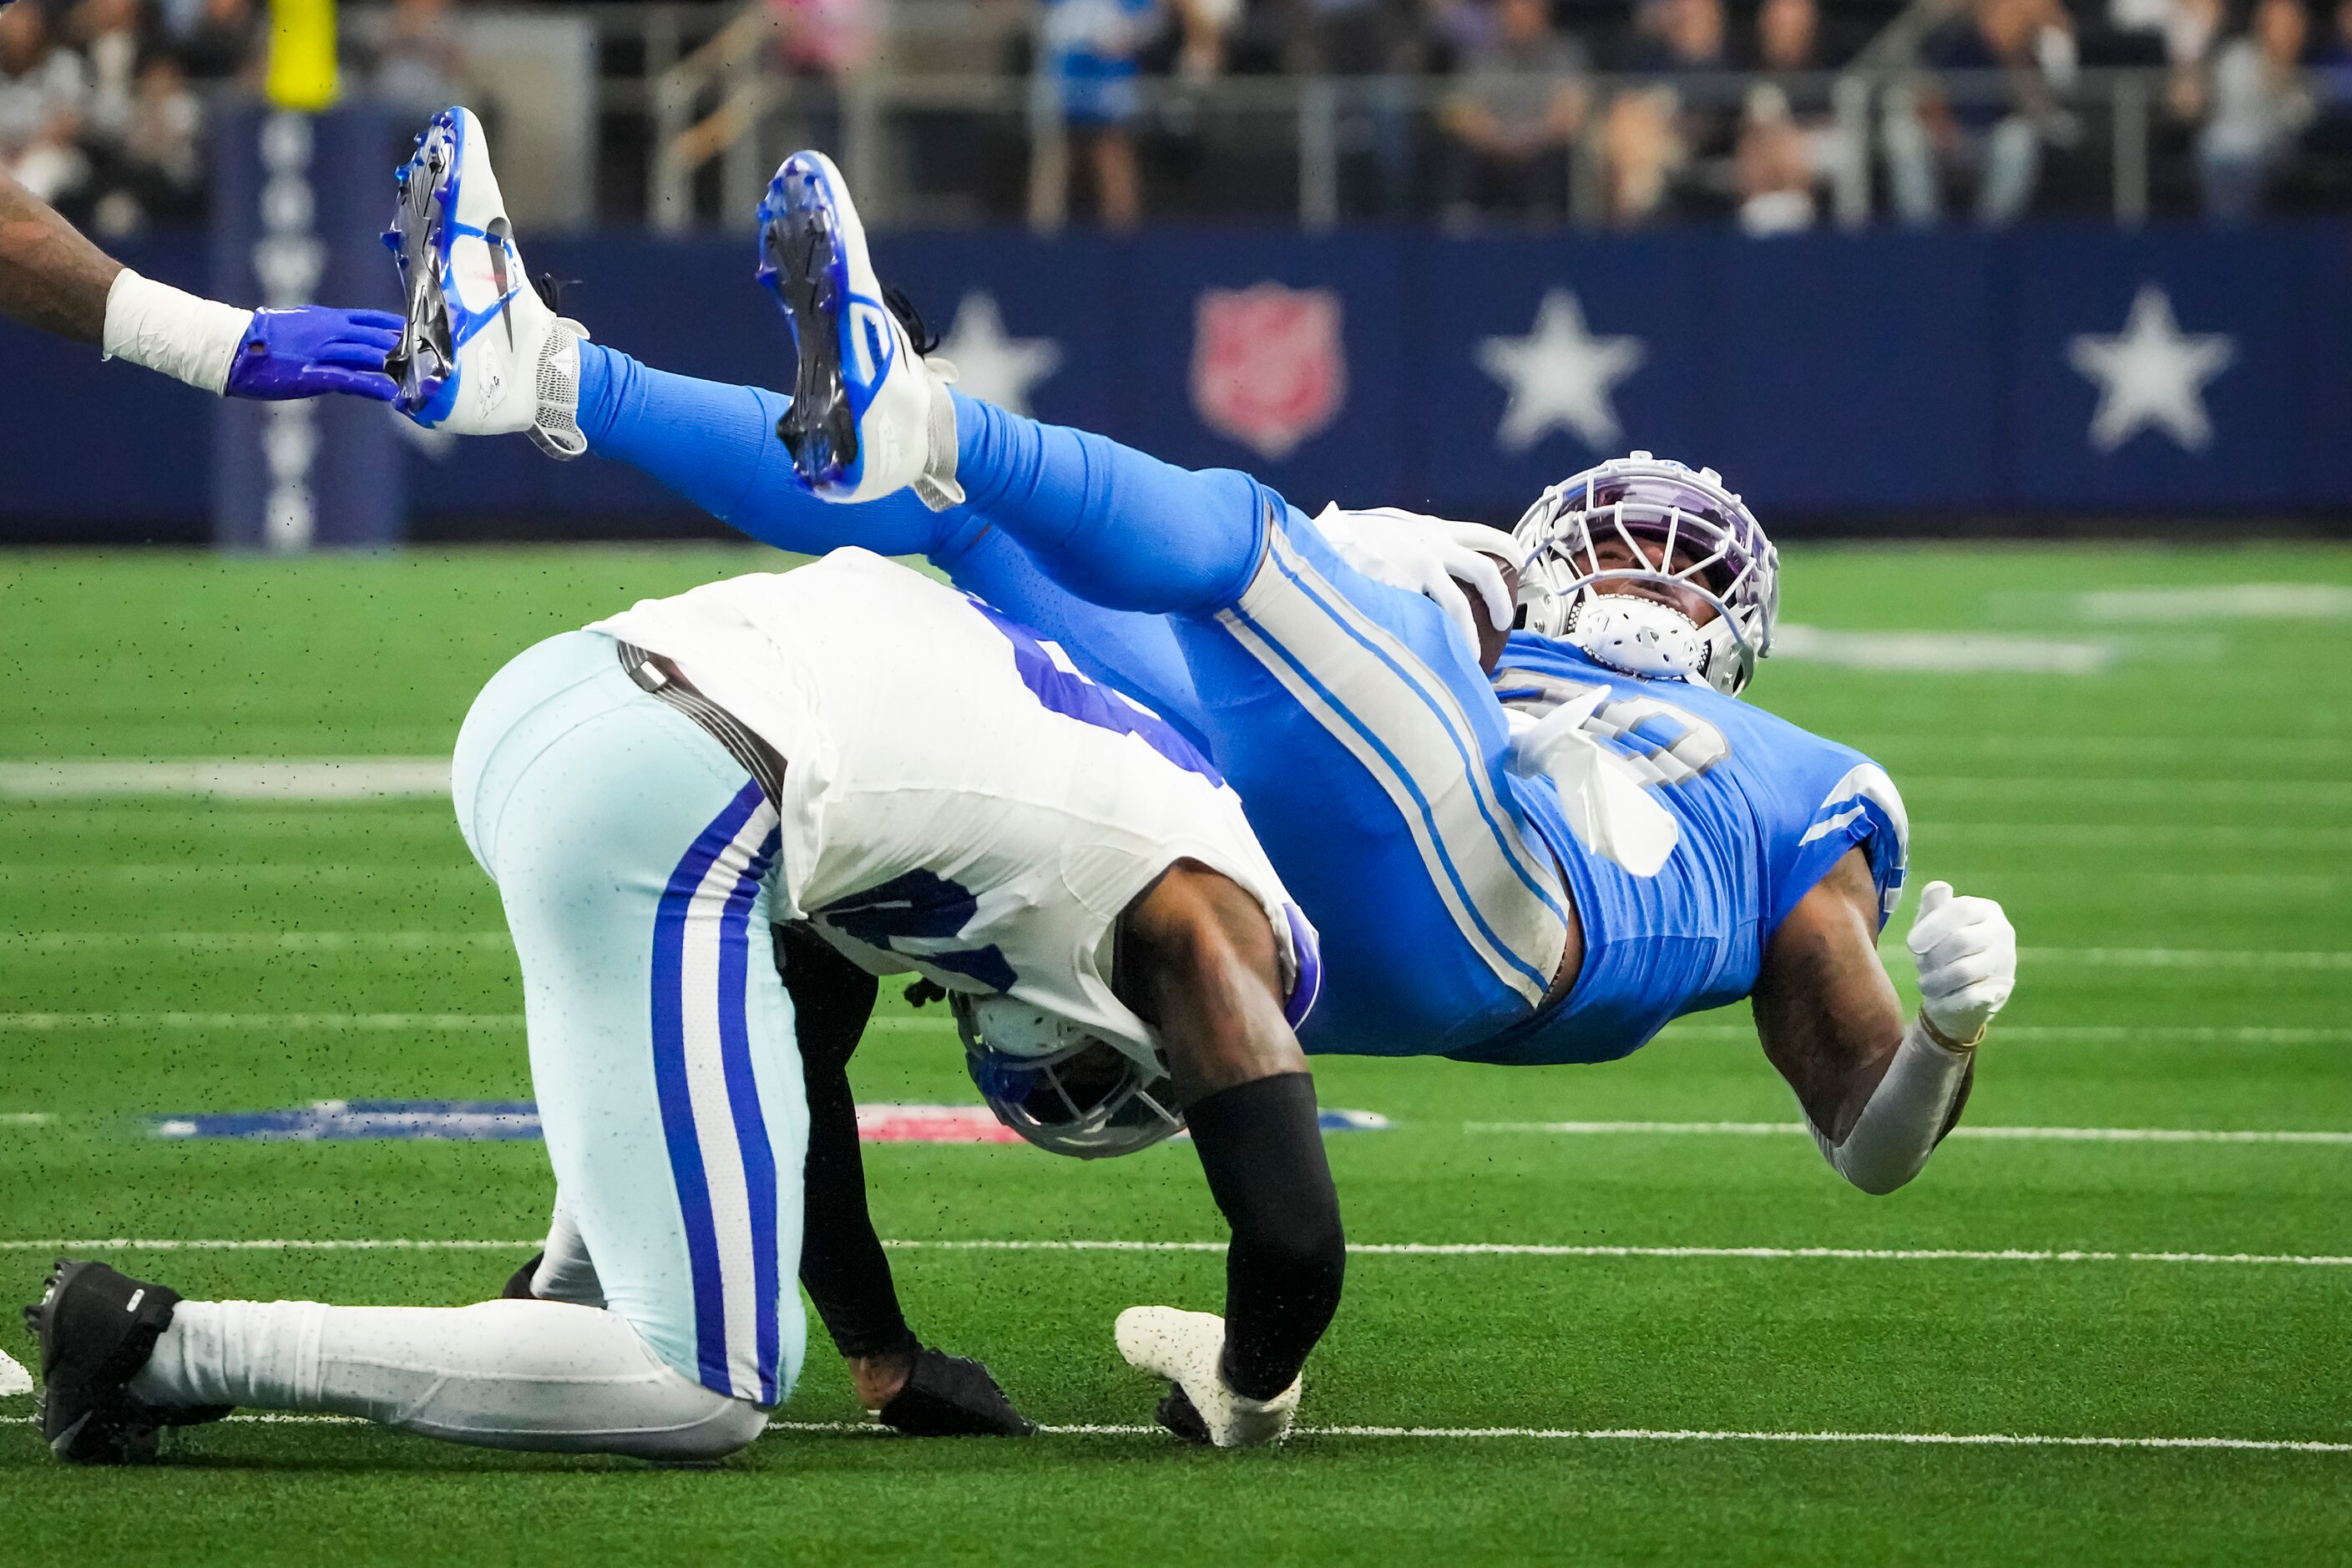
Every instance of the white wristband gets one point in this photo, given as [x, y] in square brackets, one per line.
[170, 329]
[1896, 1131]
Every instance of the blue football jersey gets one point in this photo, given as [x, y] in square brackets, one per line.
[1764, 810]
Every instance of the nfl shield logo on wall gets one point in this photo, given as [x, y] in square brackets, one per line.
[1267, 366]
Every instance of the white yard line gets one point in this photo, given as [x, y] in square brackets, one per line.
[1359, 1249]
[51, 875]
[494, 941]
[2141, 791]
[261, 1021]
[2135, 837]
[1499, 1434]
[2186, 958]
[79, 942]
[1941, 653]
[2030, 1134]
[2221, 602]
[2088, 1034]
[230, 778]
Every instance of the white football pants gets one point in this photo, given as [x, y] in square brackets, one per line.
[633, 854]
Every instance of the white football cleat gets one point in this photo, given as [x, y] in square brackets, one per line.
[869, 415]
[1187, 1348]
[482, 354]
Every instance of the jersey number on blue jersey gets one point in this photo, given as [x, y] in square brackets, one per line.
[1692, 746]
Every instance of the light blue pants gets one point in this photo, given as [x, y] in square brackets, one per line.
[633, 854]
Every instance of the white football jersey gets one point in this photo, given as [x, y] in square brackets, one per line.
[958, 800]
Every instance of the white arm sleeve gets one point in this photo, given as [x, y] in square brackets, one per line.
[1896, 1131]
[169, 330]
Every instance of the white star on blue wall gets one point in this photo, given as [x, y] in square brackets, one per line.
[2151, 375]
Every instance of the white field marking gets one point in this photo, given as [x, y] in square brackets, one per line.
[2064, 743]
[1365, 1248]
[1941, 653]
[2185, 958]
[2111, 836]
[1495, 1434]
[2013, 1134]
[79, 942]
[2266, 958]
[232, 778]
[2132, 887]
[2135, 791]
[261, 1021]
[47, 876]
[2087, 1033]
[2223, 602]
[26, 1117]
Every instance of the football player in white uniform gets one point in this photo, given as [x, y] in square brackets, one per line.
[926, 786]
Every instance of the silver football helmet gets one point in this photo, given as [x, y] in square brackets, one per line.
[1059, 1087]
[1659, 509]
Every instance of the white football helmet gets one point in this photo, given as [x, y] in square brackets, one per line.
[1059, 1087]
[1657, 508]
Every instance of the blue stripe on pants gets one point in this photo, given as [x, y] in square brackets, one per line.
[676, 1103]
[743, 1099]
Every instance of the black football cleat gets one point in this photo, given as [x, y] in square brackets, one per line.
[518, 1287]
[953, 1396]
[97, 1328]
[1178, 1414]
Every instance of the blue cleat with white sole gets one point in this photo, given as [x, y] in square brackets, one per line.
[870, 417]
[481, 354]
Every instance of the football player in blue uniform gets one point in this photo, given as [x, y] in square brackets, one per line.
[1546, 867]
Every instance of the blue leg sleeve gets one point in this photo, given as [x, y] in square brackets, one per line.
[1108, 522]
[715, 445]
[1124, 650]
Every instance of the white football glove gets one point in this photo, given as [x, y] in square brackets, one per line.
[14, 1379]
[1185, 1348]
[1966, 952]
[1424, 555]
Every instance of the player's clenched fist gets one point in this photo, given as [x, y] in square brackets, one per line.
[1186, 1348]
[1966, 952]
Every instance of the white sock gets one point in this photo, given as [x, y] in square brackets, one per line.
[501, 1374]
[567, 1273]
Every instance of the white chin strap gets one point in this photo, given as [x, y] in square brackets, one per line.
[1641, 636]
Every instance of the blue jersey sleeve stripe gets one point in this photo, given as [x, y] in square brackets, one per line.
[1496, 952]
[1448, 710]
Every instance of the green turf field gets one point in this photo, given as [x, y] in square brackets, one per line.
[2168, 830]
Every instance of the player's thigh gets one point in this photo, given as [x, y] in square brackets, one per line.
[630, 855]
[1370, 751]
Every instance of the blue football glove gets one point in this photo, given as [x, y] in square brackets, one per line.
[315, 349]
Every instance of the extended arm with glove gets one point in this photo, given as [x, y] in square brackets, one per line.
[1878, 1093]
[1965, 953]
[270, 355]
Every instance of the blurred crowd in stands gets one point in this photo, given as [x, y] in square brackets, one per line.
[103, 103]
[1687, 107]
[1468, 111]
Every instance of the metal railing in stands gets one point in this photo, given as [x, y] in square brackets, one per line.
[710, 93]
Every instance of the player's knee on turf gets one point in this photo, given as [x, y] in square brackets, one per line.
[732, 1425]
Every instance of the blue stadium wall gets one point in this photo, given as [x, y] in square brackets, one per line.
[1886, 375]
